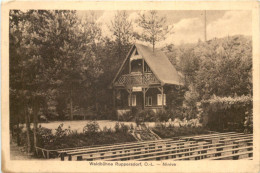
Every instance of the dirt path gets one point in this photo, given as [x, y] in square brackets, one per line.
[16, 153]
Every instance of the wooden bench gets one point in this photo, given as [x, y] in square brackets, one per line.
[214, 154]
[130, 153]
[200, 148]
[144, 155]
[237, 140]
[241, 155]
[135, 147]
[210, 135]
[221, 137]
[210, 146]
[189, 154]
[159, 146]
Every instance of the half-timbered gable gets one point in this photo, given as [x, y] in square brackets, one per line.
[141, 79]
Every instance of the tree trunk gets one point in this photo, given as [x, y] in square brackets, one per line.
[27, 129]
[18, 131]
[71, 106]
[35, 122]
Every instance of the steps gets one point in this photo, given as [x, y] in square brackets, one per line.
[143, 133]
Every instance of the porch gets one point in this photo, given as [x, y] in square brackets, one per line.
[139, 98]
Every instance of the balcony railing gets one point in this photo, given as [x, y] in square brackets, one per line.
[137, 80]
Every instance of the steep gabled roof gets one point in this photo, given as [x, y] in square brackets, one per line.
[158, 63]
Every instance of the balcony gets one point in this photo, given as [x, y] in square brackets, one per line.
[139, 79]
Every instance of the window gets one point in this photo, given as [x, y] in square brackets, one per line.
[159, 99]
[147, 68]
[148, 101]
[133, 100]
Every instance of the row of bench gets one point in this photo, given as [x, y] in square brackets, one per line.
[229, 145]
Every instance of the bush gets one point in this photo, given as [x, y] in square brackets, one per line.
[91, 127]
[92, 136]
[121, 128]
[44, 136]
[107, 114]
[162, 115]
[227, 113]
[60, 132]
[168, 132]
[147, 115]
[124, 128]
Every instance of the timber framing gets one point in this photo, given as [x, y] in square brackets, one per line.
[141, 71]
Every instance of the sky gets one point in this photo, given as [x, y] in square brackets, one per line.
[187, 26]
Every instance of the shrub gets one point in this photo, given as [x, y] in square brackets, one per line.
[60, 132]
[163, 115]
[227, 113]
[170, 131]
[190, 103]
[107, 114]
[91, 127]
[117, 127]
[44, 136]
[147, 115]
[124, 128]
[127, 116]
[106, 130]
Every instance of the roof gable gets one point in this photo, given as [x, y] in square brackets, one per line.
[158, 63]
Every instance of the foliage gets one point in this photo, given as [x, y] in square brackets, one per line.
[227, 113]
[121, 128]
[221, 67]
[225, 67]
[122, 29]
[45, 136]
[60, 132]
[127, 116]
[91, 127]
[190, 103]
[80, 63]
[169, 131]
[155, 27]
[147, 115]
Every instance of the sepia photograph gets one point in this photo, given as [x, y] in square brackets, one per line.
[126, 87]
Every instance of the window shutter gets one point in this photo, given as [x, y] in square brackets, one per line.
[159, 99]
[128, 100]
[133, 100]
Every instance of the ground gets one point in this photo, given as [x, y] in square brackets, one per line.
[16, 153]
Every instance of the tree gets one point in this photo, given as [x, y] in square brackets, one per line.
[225, 67]
[51, 56]
[154, 27]
[122, 30]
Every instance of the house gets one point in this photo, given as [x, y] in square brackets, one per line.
[143, 80]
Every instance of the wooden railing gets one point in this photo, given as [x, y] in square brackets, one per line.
[137, 80]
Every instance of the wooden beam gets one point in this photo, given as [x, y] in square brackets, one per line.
[162, 97]
[130, 99]
[128, 90]
[144, 91]
[159, 89]
[129, 66]
[143, 64]
[114, 98]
